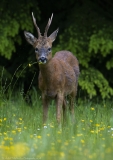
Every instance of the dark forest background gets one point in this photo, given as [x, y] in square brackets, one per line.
[85, 28]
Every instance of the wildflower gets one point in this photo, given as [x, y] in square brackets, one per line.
[20, 119]
[5, 133]
[59, 132]
[82, 120]
[97, 125]
[35, 134]
[92, 108]
[62, 154]
[0, 120]
[112, 129]
[51, 126]
[45, 126]
[79, 135]
[97, 131]
[20, 123]
[39, 137]
[102, 128]
[90, 156]
[13, 131]
[92, 131]
[5, 119]
[53, 153]
[91, 121]
[17, 150]
[31, 136]
[38, 129]
[6, 138]
[19, 129]
[66, 143]
[59, 141]
[25, 127]
[30, 65]
[82, 141]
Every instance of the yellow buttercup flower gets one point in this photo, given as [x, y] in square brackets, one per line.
[97, 125]
[17, 150]
[62, 154]
[39, 137]
[92, 131]
[92, 108]
[14, 132]
[82, 141]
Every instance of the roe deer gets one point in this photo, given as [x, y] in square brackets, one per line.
[58, 76]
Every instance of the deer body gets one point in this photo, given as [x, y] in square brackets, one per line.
[58, 76]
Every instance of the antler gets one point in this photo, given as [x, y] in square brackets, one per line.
[34, 21]
[48, 25]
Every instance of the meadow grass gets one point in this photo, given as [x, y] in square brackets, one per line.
[23, 136]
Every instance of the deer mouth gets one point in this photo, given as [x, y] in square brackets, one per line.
[42, 61]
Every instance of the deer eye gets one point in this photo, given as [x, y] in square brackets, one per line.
[36, 49]
[49, 49]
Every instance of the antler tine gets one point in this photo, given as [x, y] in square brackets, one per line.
[48, 25]
[37, 28]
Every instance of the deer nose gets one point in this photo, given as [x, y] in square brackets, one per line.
[43, 59]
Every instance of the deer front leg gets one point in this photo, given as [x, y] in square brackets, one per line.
[45, 108]
[59, 104]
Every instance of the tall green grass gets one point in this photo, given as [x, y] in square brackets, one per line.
[23, 136]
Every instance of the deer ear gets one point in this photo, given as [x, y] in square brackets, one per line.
[30, 38]
[53, 35]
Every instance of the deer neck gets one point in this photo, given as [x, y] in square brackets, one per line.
[45, 70]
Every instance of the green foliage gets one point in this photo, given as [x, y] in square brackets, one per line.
[12, 22]
[101, 42]
[91, 78]
[90, 42]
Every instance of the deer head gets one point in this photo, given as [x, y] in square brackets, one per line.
[42, 44]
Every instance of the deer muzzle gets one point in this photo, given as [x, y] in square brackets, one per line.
[42, 60]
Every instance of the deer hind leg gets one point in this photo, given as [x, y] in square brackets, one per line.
[71, 106]
[59, 104]
[45, 102]
[64, 110]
